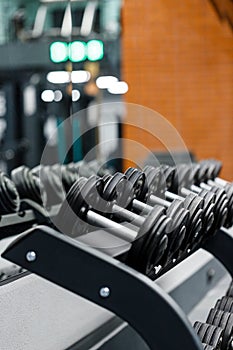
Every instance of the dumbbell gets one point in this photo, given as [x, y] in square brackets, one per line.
[223, 320]
[150, 240]
[120, 192]
[192, 203]
[9, 197]
[225, 304]
[117, 185]
[28, 185]
[207, 209]
[209, 334]
[230, 290]
[87, 169]
[51, 180]
[189, 174]
[198, 175]
[211, 169]
[207, 347]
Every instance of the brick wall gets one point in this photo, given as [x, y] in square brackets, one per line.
[178, 60]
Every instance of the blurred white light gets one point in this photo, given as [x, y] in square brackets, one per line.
[106, 82]
[120, 87]
[58, 77]
[75, 95]
[57, 95]
[47, 95]
[80, 76]
[29, 100]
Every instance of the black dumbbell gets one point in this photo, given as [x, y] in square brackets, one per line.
[9, 197]
[117, 189]
[230, 290]
[183, 174]
[192, 203]
[150, 240]
[28, 185]
[211, 169]
[223, 320]
[209, 334]
[208, 206]
[208, 347]
[200, 176]
[188, 176]
[51, 179]
[120, 192]
[225, 304]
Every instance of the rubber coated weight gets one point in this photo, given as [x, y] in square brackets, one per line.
[137, 179]
[223, 320]
[28, 185]
[209, 334]
[176, 212]
[208, 347]
[230, 290]
[146, 253]
[51, 178]
[225, 304]
[84, 196]
[9, 197]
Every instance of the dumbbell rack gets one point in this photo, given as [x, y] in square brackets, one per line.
[132, 296]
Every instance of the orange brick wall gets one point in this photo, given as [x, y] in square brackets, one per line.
[178, 60]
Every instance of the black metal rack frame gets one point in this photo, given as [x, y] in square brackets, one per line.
[132, 296]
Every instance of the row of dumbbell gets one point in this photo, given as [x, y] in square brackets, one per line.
[217, 332]
[161, 236]
[183, 179]
[26, 183]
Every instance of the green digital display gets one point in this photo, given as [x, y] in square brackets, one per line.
[76, 51]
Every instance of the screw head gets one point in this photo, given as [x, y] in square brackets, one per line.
[31, 256]
[104, 292]
[210, 274]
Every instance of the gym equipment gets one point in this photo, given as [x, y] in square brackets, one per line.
[150, 241]
[28, 185]
[192, 203]
[9, 197]
[209, 334]
[225, 304]
[223, 320]
[106, 281]
[120, 192]
[230, 290]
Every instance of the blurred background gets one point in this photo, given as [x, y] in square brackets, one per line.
[61, 57]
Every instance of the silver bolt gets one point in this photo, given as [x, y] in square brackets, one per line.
[210, 274]
[104, 292]
[31, 256]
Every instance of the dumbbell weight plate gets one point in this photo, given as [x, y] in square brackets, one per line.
[230, 290]
[169, 174]
[194, 205]
[209, 334]
[223, 320]
[180, 218]
[151, 242]
[183, 176]
[137, 179]
[85, 194]
[225, 304]
[156, 182]
[9, 197]
[112, 191]
[176, 211]
[221, 203]
[117, 188]
[208, 347]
